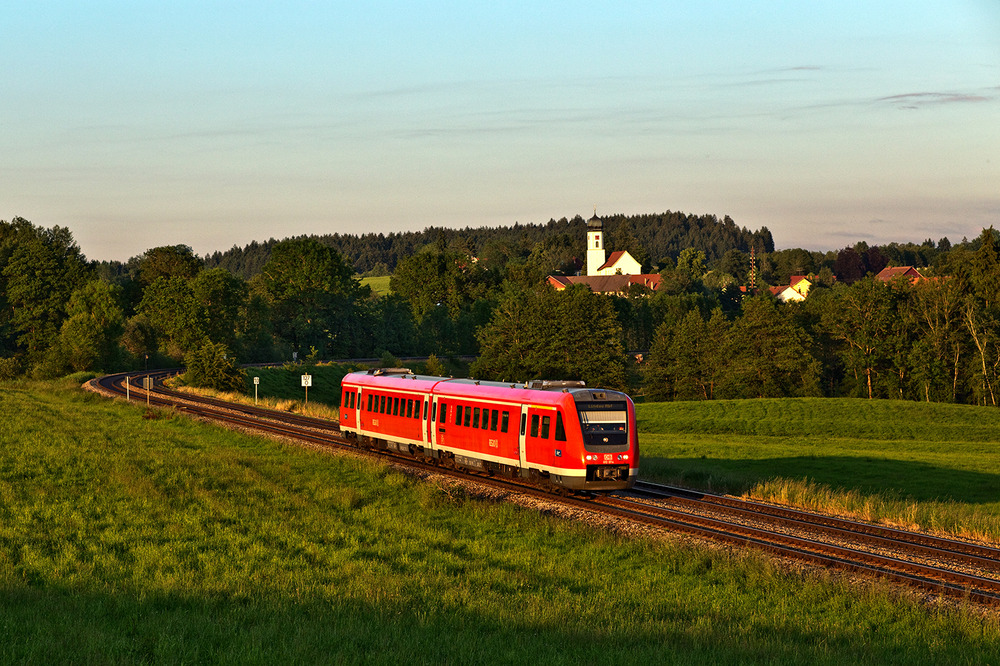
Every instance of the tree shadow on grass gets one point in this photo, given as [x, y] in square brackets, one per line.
[44, 625]
[905, 480]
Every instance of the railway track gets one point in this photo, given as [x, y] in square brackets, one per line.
[946, 567]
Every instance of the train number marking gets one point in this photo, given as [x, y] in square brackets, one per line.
[495, 443]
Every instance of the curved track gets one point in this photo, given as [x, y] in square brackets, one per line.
[941, 566]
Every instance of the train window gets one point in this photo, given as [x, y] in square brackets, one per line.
[560, 428]
[417, 415]
[443, 408]
[381, 404]
[351, 396]
[504, 421]
[369, 402]
[475, 417]
[494, 416]
[409, 408]
[524, 418]
[546, 421]
[395, 407]
[458, 415]
[468, 415]
[534, 425]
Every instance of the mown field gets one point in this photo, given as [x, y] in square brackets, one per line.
[126, 539]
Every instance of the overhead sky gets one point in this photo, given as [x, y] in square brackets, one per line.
[212, 124]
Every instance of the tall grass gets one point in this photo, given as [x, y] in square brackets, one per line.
[908, 464]
[311, 408]
[125, 540]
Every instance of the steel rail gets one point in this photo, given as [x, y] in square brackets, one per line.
[984, 590]
[961, 551]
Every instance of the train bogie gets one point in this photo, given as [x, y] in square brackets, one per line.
[561, 433]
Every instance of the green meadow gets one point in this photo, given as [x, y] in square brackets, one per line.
[927, 465]
[380, 285]
[135, 537]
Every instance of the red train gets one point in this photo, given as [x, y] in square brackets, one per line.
[561, 433]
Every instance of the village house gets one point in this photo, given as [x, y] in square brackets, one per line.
[796, 290]
[890, 273]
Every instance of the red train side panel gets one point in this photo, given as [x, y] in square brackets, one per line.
[574, 436]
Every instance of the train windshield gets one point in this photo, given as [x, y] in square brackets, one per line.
[604, 424]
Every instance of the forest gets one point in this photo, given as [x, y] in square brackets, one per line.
[706, 333]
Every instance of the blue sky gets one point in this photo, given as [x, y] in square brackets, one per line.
[138, 124]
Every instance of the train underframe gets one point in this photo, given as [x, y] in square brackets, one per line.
[598, 477]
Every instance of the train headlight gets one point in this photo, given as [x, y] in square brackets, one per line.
[626, 456]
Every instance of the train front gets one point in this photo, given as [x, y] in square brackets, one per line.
[609, 438]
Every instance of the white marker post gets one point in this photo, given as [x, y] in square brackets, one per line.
[307, 381]
[256, 382]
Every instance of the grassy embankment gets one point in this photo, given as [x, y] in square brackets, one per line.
[911, 464]
[124, 539]
[281, 387]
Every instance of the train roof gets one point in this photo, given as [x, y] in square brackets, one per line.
[531, 391]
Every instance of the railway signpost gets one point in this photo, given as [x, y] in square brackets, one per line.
[256, 383]
[307, 381]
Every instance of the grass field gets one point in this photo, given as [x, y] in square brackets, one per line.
[905, 463]
[285, 383]
[380, 285]
[126, 539]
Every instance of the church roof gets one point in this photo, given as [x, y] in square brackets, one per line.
[612, 260]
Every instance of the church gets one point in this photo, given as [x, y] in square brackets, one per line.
[607, 275]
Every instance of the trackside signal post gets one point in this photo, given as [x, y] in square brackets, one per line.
[256, 383]
[307, 381]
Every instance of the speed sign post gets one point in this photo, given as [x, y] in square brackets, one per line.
[307, 381]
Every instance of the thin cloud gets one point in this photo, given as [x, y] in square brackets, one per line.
[921, 99]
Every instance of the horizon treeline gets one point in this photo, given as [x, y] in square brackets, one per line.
[649, 238]
[482, 292]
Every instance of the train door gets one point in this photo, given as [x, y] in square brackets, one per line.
[521, 437]
[428, 427]
[357, 409]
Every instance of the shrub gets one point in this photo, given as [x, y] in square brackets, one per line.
[10, 368]
[212, 365]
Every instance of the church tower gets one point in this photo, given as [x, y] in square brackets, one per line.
[595, 244]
